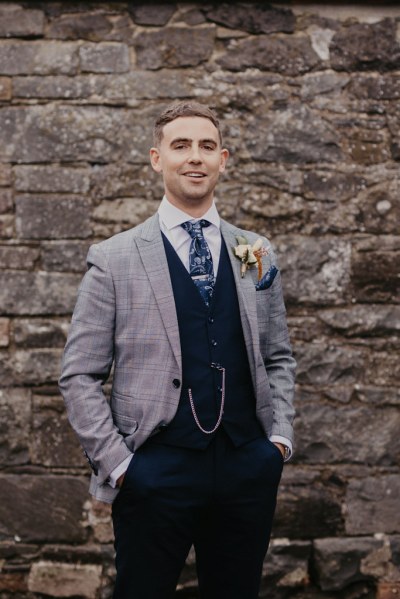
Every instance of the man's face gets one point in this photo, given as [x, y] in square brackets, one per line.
[190, 159]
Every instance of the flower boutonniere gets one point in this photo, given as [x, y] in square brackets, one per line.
[249, 255]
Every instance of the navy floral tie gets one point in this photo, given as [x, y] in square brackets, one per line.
[200, 259]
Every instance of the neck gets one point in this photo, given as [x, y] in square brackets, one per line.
[193, 210]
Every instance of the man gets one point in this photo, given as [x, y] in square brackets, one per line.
[191, 446]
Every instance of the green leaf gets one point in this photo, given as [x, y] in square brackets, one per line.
[241, 240]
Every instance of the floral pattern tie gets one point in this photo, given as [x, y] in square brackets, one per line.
[200, 260]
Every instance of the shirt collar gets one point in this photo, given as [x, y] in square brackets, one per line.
[172, 217]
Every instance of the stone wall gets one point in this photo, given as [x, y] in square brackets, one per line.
[309, 96]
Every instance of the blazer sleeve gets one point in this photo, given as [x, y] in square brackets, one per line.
[86, 365]
[279, 362]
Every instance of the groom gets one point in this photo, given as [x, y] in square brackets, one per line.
[189, 311]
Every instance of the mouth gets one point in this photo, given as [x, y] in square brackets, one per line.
[194, 174]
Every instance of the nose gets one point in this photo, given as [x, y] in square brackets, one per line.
[194, 154]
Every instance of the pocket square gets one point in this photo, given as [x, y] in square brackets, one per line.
[266, 281]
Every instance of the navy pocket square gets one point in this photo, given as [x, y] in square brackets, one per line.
[266, 281]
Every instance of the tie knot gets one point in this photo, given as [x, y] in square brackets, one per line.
[195, 229]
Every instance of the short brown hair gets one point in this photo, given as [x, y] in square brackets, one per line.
[182, 109]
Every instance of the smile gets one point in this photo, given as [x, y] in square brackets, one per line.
[194, 175]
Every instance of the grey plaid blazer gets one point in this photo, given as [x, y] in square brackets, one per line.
[125, 316]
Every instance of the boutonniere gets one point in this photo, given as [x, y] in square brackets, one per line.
[249, 255]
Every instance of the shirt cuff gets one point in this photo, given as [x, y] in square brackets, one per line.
[118, 471]
[285, 442]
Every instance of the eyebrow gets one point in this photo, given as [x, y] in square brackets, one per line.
[187, 139]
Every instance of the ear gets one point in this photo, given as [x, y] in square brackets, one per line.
[155, 159]
[224, 159]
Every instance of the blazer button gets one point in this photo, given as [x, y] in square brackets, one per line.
[176, 383]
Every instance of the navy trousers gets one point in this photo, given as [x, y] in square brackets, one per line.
[221, 500]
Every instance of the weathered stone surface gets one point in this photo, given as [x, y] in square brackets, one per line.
[41, 58]
[331, 185]
[363, 320]
[296, 135]
[18, 258]
[24, 495]
[319, 427]
[193, 16]
[18, 22]
[111, 89]
[338, 562]
[153, 14]
[6, 226]
[92, 27]
[99, 519]
[174, 47]
[104, 58]
[5, 88]
[394, 122]
[320, 364]
[53, 442]
[363, 46]
[308, 512]
[374, 269]
[40, 332]
[288, 56]
[261, 19]
[25, 367]
[96, 134]
[38, 293]
[65, 580]
[378, 395]
[6, 200]
[315, 271]
[128, 210]
[52, 216]
[287, 564]
[125, 180]
[314, 84]
[51, 179]
[4, 332]
[372, 505]
[15, 423]
[388, 590]
[65, 256]
[375, 87]
[5, 175]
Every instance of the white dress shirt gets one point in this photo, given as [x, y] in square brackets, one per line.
[171, 219]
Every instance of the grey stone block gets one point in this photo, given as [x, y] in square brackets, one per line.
[174, 47]
[338, 562]
[51, 178]
[16, 21]
[104, 58]
[37, 293]
[38, 58]
[373, 505]
[260, 19]
[56, 502]
[52, 216]
[286, 55]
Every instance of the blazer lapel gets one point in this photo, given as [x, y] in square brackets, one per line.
[246, 295]
[151, 249]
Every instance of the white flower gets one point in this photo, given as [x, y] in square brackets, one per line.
[248, 254]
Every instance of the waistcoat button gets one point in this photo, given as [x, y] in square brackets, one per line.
[176, 383]
[210, 319]
[214, 343]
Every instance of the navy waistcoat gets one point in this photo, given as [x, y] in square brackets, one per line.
[210, 335]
